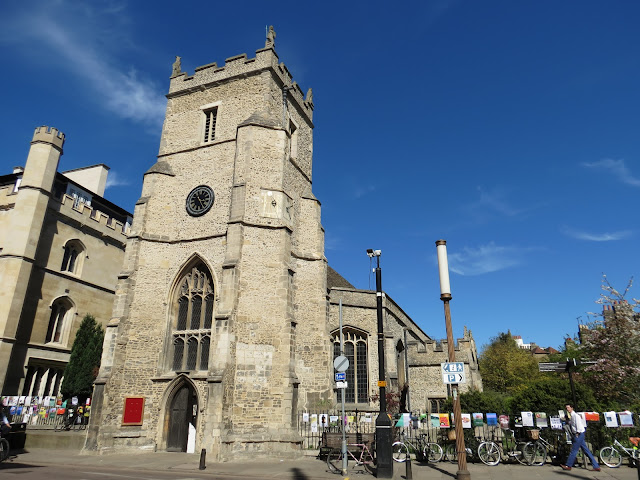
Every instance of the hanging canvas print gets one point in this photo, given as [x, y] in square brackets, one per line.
[466, 420]
[478, 420]
[504, 421]
[610, 419]
[541, 420]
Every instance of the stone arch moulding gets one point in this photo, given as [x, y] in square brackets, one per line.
[170, 391]
[184, 268]
[350, 328]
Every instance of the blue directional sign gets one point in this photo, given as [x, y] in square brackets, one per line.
[453, 373]
[452, 367]
[341, 376]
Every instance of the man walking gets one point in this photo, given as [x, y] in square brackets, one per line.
[578, 429]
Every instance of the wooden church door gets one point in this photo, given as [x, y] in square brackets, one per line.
[181, 414]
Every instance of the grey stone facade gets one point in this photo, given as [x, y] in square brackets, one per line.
[233, 376]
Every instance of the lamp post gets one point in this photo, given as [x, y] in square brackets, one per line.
[383, 422]
[445, 296]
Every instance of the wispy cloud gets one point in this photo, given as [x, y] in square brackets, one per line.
[494, 203]
[361, 191]
[596, 237]
[487, 258]
[616, 168]
[75, 37]
[114, 180]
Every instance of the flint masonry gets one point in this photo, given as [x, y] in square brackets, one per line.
[225, 315]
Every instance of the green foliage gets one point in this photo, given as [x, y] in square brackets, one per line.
[614, 344]
[505, 367]
[475, 401]
[550, 393]
[84, 361]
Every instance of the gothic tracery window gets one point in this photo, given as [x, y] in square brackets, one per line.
[355, 349]
[193, 317]
[72, 258]
[61, 312]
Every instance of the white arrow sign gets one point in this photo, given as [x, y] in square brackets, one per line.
[453, 378]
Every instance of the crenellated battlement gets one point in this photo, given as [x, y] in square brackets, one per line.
[239, 66]
[52, 135]
[100, 218]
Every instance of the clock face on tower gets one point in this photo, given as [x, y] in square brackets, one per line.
[199, 200]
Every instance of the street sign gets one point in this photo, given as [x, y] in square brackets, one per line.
[382, 383]
[452, 367]
[552, 367]
[453, 378]
[341, 376]
[341, 363]
[341, 384]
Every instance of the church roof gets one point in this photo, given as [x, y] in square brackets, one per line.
[334, 279]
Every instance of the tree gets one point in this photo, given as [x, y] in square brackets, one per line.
[614, 344]
[505, 367]
[84, 361]
[551, 393]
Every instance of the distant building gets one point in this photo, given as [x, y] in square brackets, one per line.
[61, 248]
[538, 352]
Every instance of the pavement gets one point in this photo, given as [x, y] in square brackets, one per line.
[308, 467]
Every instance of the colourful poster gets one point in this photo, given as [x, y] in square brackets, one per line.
[626, 419]
[541, 420]
[504, 421]
[466, 420]
[444, 420]
[492, 419]
[556, 423]
[435, 420]
[592, 416]
[610, 419]
[527, 419]
[478, 420]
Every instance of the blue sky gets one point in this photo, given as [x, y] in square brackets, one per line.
[510, 129]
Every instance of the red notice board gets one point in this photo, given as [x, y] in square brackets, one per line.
[133, 411]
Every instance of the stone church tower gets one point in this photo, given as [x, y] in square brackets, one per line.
[219, 333]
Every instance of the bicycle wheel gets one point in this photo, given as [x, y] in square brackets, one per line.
[519, 453]
[433, 452]
[610, 457]
[400, 452]
[334, 461]
[451, 453]
[535, 454]
[4, 449]
[489, 453]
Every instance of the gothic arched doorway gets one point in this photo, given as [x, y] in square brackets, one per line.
[183, 410]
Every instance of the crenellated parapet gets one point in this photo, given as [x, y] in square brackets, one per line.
[50, 135]
[209, 75]
[94, 218]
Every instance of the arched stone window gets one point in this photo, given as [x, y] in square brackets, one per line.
[193, 317]
[59, 321]
[73, 256]
[355, 349]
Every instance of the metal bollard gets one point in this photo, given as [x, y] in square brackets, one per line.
[409, 473]
[203, 459]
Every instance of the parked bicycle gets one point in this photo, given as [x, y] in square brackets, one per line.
[402, 449]
[611, 456]
[359, 453]
[4, 449]
[491, 452]
[536, 452]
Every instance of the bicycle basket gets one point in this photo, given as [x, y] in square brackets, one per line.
[451, 434]
[533, 434]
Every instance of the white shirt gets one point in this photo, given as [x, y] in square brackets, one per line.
[577, 424]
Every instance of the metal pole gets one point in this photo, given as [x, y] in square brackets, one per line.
[383, 422]
[445, 296]
[344, 434]
[572, 363]
[406, 370]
